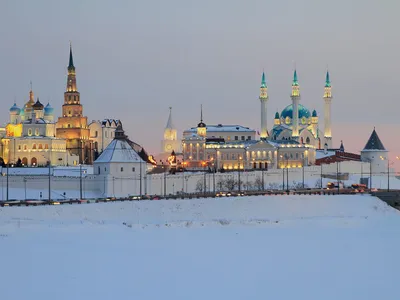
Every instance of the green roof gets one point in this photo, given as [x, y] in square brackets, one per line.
[263, 81]
[327, 80]
[295, 81]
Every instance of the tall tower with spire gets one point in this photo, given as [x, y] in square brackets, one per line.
[295, 104]
[170, 142]
[72, 125]
[327, 111]
[263, 99]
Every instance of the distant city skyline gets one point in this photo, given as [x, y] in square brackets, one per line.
[135, 60]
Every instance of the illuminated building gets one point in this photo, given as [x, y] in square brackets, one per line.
[297, 123]
[102, 133]
[29, 138]
[72, 125]
[170, 141]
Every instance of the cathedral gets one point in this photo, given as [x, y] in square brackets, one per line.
[30, 137]
[73, 125]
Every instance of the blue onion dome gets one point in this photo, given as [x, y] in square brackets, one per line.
[276, 115]
[48, 110]
[314, 113]
[15, 110]
[288, 112]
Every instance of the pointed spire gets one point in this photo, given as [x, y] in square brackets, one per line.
[201, 113]
[71, 60]
[295, 81]
[169, 122]
[263, 81]
[374, 142]
[327, 80]
[341, 146]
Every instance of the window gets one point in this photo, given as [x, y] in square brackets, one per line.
[29, 132]
[19, 147]
[243, 137]
[297, 155]
[236, 138]
[106, 134]
[40, 146]
[46, 146]
[25, 147]
[307, 140]
[228, 138]
[95, 134]
[99, 170]
[133, 169]
[105, 169]
[34, 146]
[249, 138]
[291, 155]
[36, 131]
[69, 125]
[122, 169]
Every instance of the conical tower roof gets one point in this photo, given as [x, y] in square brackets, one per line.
[374, 142]
[170, 125]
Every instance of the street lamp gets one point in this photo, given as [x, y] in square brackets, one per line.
[388, 170]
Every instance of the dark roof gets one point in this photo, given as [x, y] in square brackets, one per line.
[37, 105]
[374, 143]
[71, 60]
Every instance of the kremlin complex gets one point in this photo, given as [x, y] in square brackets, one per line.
[297, 139]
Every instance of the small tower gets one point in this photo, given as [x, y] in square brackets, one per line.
[263, 99]
[295, 103]
[375, 153]
[170, 141]
[38, 109]
[49, 113]
[28, 110]
[15, 114]
[277, 121]
[327, 111]
[314, 123]
[201, 127]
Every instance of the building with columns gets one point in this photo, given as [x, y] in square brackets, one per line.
[73, 125]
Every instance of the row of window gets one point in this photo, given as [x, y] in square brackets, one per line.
[122, 169]
[30, 132]
[292, 156]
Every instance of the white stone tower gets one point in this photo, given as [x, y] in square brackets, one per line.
[327, 111]
[295, 104]
[170, 141]
[263, 99]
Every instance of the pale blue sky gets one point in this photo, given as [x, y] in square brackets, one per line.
[134, 59]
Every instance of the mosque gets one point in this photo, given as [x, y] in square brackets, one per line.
[292, 142]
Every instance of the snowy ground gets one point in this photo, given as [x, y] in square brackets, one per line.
[270, 247]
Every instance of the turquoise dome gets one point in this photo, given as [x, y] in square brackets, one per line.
[288, 112]
[314, 113]
[22, 112]
[48, 110]
[276, 115]
[15, 110]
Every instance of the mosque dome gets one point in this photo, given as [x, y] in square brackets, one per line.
[288, 112]
[38, 105]
[48, 110]
[15, 110]
[201, 124]
[314, 113]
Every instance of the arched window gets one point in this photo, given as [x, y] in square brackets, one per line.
[69, 125]
[122, 169]
[29, 132]
[25, 147]
[307, 140]
[46, 146]
[133, 169]
[34, 146]
[19, 147]
[40, 146]
[36, 131]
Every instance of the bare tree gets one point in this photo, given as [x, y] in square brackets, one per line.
[273, 186]
[318, 183]
[220, 184]
[258, 184]
[200, 185]
[230, 184]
